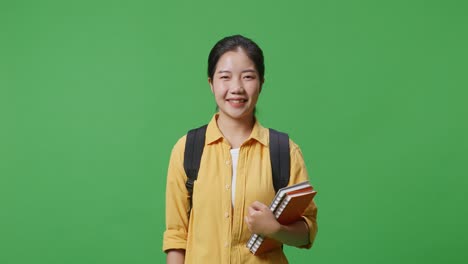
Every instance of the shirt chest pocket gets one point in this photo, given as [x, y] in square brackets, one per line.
[209, 192]
[206, 194]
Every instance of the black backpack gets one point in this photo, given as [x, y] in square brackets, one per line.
[279, 155]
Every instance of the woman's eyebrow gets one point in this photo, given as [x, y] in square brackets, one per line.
[248, 70]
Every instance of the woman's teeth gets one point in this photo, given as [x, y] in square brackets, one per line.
[238, 101]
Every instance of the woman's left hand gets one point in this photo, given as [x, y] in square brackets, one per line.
[260, 220]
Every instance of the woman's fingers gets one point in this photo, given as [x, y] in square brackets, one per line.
[258, 206]
[251, 210]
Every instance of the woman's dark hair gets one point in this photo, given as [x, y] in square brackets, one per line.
[232, 43]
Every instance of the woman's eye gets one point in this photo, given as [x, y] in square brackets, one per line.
[249, 77]
[224, 77]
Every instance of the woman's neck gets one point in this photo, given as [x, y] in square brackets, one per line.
[236, 131]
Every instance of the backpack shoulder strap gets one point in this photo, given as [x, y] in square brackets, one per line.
[280, 159]
[192, 156]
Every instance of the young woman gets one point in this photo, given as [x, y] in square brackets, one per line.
[234, 185]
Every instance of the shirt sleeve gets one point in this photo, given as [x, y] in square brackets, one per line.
[299, 174]
[177, 202]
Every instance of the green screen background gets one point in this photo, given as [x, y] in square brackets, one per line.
[94, 94]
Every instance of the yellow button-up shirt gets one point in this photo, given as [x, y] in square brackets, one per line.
[215, 231]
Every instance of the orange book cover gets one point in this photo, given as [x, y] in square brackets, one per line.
[294, 207]
[290, 210]
[299, 187]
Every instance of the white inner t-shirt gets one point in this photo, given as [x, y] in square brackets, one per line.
[235, 158]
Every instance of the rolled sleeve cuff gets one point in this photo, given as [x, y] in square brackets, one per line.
[312, 232]
[174, 239]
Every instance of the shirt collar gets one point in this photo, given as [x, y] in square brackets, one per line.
[213, 134]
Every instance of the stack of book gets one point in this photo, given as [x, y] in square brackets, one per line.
[288, 206]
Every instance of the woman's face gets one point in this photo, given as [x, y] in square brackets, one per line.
[236, 85]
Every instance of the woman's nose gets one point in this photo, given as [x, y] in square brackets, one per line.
[237, 86]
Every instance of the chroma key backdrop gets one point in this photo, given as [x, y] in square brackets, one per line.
[94, 94]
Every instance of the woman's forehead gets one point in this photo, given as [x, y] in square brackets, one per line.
[235, 60]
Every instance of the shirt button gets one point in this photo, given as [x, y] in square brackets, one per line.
[228, 162]
[226, 215]
[227, 186]
[226, 244]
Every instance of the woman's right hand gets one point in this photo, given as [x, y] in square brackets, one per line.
[175, 256]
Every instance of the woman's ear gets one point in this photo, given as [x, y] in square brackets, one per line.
[210, 82]
[261, 85]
